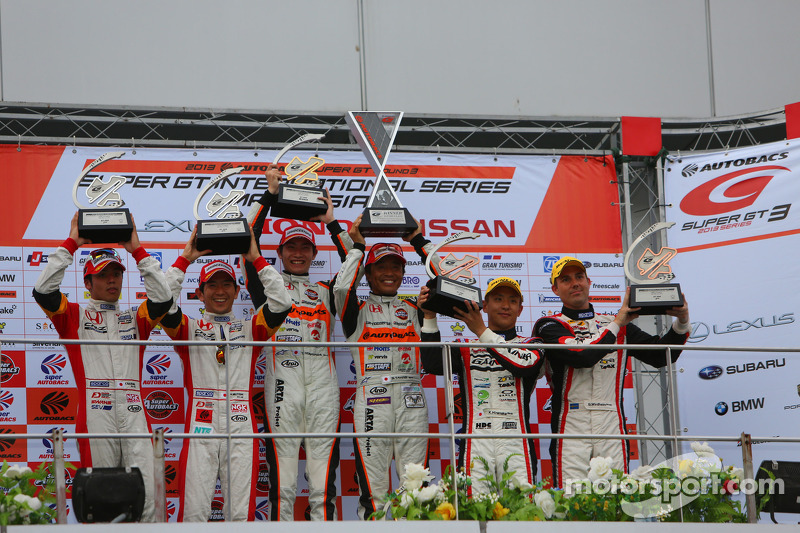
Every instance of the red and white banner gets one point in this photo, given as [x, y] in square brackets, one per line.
[737, 216]
[529, 211]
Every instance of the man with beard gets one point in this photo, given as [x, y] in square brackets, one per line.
[586, 383]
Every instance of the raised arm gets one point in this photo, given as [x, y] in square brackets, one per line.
[346, 282]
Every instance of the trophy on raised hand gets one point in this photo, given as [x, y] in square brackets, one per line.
[224, 230]
[446, 291]
[649, 273]
[109, 221]
[299, 196]
[384, 216]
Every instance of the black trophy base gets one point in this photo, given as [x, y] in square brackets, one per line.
[105, 225]
[656, 299]
[299, 202]
[445, 294]
[223, 237]
[386, 222]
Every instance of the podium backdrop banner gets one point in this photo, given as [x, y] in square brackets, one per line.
[737, 217]
[529, 212]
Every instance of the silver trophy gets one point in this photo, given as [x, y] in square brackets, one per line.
[108, 221]
[446, 291]
[374, 132]
[649, 274]
[224, 230]
[299, 196]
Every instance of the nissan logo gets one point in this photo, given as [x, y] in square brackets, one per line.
[377, 390]
[710, 372]
[290, 363]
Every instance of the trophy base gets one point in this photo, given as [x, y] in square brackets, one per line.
[223, 236]
[105, 225]
[445, 294]
[299, 202]
[656, 299]
[386, 222]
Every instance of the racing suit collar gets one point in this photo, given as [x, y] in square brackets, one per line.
[102, 305]
[218, 319]
[295, 277]
[382, 299]
[579, 314]
[508, 334]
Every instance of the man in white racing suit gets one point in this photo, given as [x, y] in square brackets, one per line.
[496, 384]
[108, 377]
[389, 397]
[301, 388]
[219, 382]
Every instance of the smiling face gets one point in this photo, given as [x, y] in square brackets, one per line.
[572, 286]
[218, 293]
[106, 285]
[502, 307]
[296, 255]
[386, 275]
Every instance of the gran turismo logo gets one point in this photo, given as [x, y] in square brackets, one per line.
[721, 408]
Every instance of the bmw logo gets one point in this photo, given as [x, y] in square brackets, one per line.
[710, 372]
[721, 408]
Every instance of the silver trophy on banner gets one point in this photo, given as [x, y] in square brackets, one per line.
[446, 291]
[374, 132]
[224, 230]
[649, 274]
[109, 221]
[299, 196]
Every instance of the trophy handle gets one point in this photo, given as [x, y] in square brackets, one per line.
[99, 161]
[649, 231]
[308, 137]
[452, 238]
[222, 175]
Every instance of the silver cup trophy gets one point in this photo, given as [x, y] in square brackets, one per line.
[299, 196]
[224, 230]
[446, 291]
[649, 274]
[108, 221]
[374, 132]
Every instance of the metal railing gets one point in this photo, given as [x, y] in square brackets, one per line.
[158, 435]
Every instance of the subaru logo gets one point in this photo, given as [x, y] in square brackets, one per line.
[710, 372]
[721, 408]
